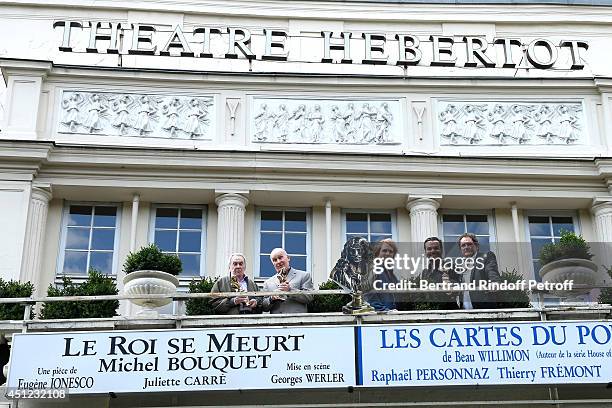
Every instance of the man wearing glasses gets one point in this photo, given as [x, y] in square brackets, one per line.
[477, 266]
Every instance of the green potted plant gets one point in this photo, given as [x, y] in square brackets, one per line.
[605, 297]
[149, 271]
[202, 306]
[328, 303]
[569, 259]
[14, 289]
[97, 284]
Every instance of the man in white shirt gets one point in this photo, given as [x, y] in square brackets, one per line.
[482, 266]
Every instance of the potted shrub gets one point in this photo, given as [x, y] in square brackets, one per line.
[149, 271]
[605, 297]
[14, 289]
[96, 284]
[511, 298]
[569, 259]
[196, 307]
[328, 303]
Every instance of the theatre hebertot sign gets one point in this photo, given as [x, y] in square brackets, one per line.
[402, 49]
[314, 357]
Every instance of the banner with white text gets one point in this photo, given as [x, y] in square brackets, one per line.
[485, 354]
[184, 360]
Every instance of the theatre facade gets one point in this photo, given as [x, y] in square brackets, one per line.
[210, 128]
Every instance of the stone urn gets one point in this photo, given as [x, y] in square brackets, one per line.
[148, 282]
[580, 271]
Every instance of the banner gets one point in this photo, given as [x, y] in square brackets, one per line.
[184, 360]
[485, 354]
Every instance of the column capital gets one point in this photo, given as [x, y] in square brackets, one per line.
[415, 203]
[41, 193]
[232, 198]
[602, 206]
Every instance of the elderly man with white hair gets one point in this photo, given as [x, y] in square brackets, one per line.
[287, 279]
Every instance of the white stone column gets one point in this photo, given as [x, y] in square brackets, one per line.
[602, 213]
[423, 218]
[35, 234]
[231, 208]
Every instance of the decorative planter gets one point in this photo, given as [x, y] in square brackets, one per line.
[580, 271]
[149, 282]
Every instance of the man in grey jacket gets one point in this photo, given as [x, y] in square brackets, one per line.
[287, 279]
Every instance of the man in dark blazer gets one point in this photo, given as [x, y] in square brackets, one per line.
[484, 268]
[435, 272]
[236, 281]
[287, 279]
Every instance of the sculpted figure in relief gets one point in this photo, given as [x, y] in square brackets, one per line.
[298, 117]
[339, 122]
[473, 124]
[122, 117]
[567, 124]
[521, 123]
[281, 123]
[544, 120]
[95, 110]
[171, 111]
[449, 117]
[147, 107]
[263, 121]
[349, 123]
[498, 119]
[366, 118]
[197, 117]
[315, 123]
[384, 118]
[72, 107]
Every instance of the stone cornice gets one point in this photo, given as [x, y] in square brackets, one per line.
[352, 10]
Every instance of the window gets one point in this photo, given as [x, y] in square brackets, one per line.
[286, 229]
[373, 226]
[180, 231]
[544, 229]
[454, 225]
[89, 239]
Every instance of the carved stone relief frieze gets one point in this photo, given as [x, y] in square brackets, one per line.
[131, 114]
[2, 98]
[326, 121]
[510, 123]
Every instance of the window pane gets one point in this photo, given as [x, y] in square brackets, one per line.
[562, 224]
[477, 224]
[269, 241]
[105, 216]
[191, 264]
[80, 215]
[376, 238]
[536, 246]
[380, 223]
[484, 244]
[166, 218]
[271, 220]
[191, 218]
[295, 243]
[298, 262]
[103, 238]
[189, 241]
[357, 223]
[450, 246]
[77, 238]
[166, 240]
[295, 221]
[75, 263]
[453, 224]
[102, 261]
[265, 266]
[539, 226]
